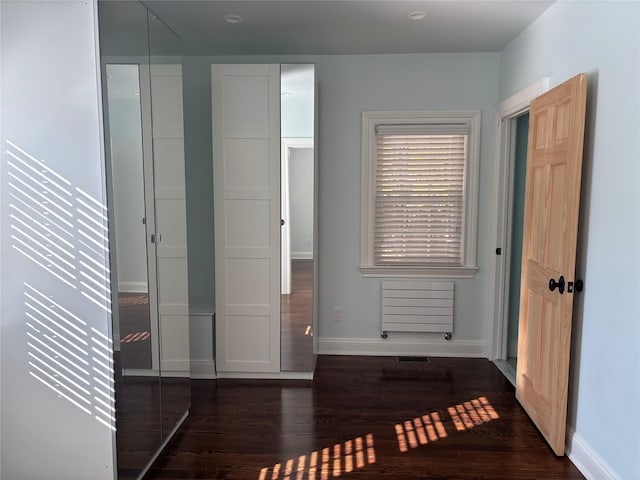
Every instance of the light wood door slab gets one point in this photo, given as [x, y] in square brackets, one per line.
[552, 198]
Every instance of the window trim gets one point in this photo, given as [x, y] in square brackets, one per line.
[370, 119]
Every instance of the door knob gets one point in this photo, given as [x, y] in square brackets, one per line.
[559, 284]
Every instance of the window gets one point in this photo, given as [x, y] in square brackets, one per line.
[419, 193]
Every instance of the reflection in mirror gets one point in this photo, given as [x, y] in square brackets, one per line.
[142, 100]
[297, 209]
[125, 128]
[136, 355]
[169, 198]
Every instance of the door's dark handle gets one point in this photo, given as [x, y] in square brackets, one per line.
[559, 284]
[577, 286]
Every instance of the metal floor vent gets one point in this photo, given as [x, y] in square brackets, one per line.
[413, 359]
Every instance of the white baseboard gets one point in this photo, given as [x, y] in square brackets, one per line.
[268, 376]
[585, 459]
[175, 367]
[140, 372]
[301, 255]
[203, 369]
[133, 287]
[391, 347]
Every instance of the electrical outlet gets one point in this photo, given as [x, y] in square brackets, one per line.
[337, 314]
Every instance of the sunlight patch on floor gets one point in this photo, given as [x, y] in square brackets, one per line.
[330, 462]
[342, 458]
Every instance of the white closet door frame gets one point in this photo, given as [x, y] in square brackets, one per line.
[246, 171]
[285, 232]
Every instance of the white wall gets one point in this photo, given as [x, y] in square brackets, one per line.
[125, 130]
[56, 402]
[601, 39]
[347, 86]
[301, 202]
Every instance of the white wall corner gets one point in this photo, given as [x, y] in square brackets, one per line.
[391, 347]
[586, 459]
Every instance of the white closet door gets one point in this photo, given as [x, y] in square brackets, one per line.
[246, 151]
[170, 218]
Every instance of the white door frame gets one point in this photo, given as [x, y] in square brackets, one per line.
[285, 157]
[504, 147]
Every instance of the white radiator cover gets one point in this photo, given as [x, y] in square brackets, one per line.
[417, 306]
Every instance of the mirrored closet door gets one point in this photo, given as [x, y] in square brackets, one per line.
[142, 85]
[297, 209]
[264, 174]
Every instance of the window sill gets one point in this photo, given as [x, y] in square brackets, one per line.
[421, 272]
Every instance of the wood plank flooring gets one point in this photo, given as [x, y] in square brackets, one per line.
[135, 330]
[362, 418]
[296, 346]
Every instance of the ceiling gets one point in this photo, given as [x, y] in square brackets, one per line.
[331, 26]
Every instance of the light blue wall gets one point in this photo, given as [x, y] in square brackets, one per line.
[297, 118]
[601, 39]
[301, 201]
[348, 85]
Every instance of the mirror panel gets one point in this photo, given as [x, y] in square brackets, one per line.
[169, 196]
[126, 84]
[297, 206]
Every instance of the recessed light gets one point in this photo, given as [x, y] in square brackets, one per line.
[417, 15]
[232, 18]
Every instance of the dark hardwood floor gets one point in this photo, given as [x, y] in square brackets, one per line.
[362, 418]
[135, 330]
[296, 346]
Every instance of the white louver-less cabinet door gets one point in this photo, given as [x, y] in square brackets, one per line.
[246, 151]
[170, 219]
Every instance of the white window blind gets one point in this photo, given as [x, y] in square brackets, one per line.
[419, 194]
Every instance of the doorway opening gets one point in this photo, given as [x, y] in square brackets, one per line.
[511, 150]
[517, 218]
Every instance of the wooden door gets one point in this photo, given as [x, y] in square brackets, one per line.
[246, 171]
[552, 197]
